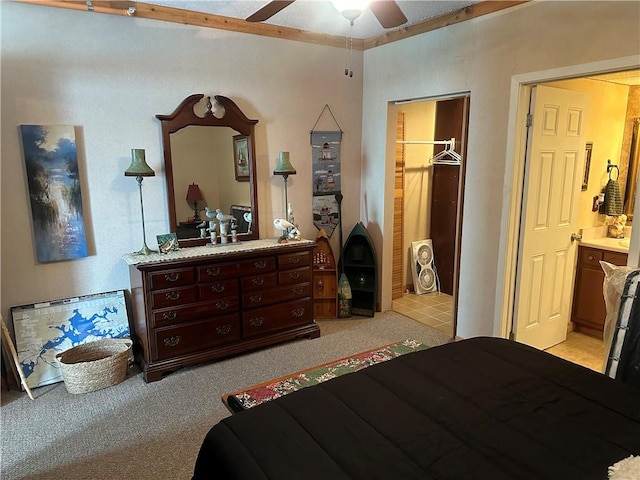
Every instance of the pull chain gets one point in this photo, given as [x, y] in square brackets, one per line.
[348, 47]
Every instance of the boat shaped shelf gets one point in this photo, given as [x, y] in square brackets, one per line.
[359, 264]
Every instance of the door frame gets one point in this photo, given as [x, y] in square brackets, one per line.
[520, 94]
[392, 114]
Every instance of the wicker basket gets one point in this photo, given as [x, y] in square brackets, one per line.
[95, 365]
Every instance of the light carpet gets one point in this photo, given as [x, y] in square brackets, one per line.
[136, 430]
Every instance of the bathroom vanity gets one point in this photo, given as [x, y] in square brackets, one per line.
[589, 309]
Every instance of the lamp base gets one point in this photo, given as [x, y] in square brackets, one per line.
[144, 251]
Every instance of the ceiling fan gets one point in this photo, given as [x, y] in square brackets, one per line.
[387, 12]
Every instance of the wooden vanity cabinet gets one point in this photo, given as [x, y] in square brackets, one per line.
[192, 310]
[589, 310]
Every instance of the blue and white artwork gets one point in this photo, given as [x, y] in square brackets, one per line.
[325, 152]
[54, 192]
[43, 330]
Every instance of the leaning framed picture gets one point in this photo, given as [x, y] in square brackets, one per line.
[241, 157]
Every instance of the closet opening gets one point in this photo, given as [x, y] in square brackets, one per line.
[430, 166]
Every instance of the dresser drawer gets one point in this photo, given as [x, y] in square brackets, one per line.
[290, 277]
[175, 341]
[174, 297]
[177, 315]
[171, 278]
[276, 317]
[294, 260]
[217, 271]
[278, 294]
[257, 266]
[259, 282]
[223, 288]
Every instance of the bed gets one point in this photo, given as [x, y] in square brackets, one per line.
[482, 408]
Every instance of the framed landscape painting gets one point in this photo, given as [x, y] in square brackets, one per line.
[53, 179]
[241, 157]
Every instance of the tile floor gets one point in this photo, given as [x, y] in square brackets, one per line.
[435, 311]
[581, 349]
[432, 309]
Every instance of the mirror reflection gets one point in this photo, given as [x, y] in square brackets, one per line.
[204, 156]
[210, 172]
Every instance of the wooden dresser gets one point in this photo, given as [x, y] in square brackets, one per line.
[203, 303]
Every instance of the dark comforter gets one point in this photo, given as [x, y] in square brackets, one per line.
[480, 408]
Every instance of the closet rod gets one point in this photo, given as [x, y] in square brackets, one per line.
[451, 142]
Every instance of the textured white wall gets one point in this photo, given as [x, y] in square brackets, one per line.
[110, 76]
[480, 56]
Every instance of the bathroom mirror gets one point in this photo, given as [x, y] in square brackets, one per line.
[211, 145]
[632, 171]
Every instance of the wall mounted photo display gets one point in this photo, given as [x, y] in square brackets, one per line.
[167, 242]
[325, 152]
[53, 178]
[241, 157]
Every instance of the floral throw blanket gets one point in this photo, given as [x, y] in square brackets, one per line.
[242, 400]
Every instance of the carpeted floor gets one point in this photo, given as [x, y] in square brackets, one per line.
[153, 431]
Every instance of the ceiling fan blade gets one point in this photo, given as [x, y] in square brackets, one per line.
[269, 10]
[388, 13]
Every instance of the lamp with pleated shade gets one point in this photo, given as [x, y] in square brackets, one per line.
[194, 195]
[140, 169]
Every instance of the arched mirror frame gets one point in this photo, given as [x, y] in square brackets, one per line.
[232, 117]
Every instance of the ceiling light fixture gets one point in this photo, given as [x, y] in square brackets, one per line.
[350, 9]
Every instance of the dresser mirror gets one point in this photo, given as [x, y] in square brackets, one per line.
[212, 145]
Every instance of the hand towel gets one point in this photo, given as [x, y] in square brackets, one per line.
[612, 198]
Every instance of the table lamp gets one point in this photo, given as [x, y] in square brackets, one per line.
[284, 169]
[140, 169]
[194, 195]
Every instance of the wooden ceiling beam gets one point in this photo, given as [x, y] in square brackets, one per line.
[188, 17]
[457, 16]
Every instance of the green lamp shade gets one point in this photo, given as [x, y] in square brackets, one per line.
[138, 167]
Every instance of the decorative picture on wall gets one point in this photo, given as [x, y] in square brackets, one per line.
[325, 151]
[241, 157]
[587, 164]
[53, 178]
[325, 213]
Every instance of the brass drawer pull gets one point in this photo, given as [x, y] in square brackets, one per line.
[256, 322]
[260, 264]
[172, 341]
[169, 315]
[255, 298]
[217, 287]
[591, 258]
[296, 290]
[294, 275]
[172, 277]
[258, 281]
[222, 305]
[213, 271]
[297, 312]
[172, 295]
[223, 329]
[294, 259]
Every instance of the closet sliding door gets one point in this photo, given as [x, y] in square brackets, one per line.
[450, 122]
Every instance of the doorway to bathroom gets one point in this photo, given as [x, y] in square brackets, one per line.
[431, 139]
[614, 102]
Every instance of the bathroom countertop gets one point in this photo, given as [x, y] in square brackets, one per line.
[605, 243]
[596, 237]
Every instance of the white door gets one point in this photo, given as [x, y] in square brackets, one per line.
[546, 254]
